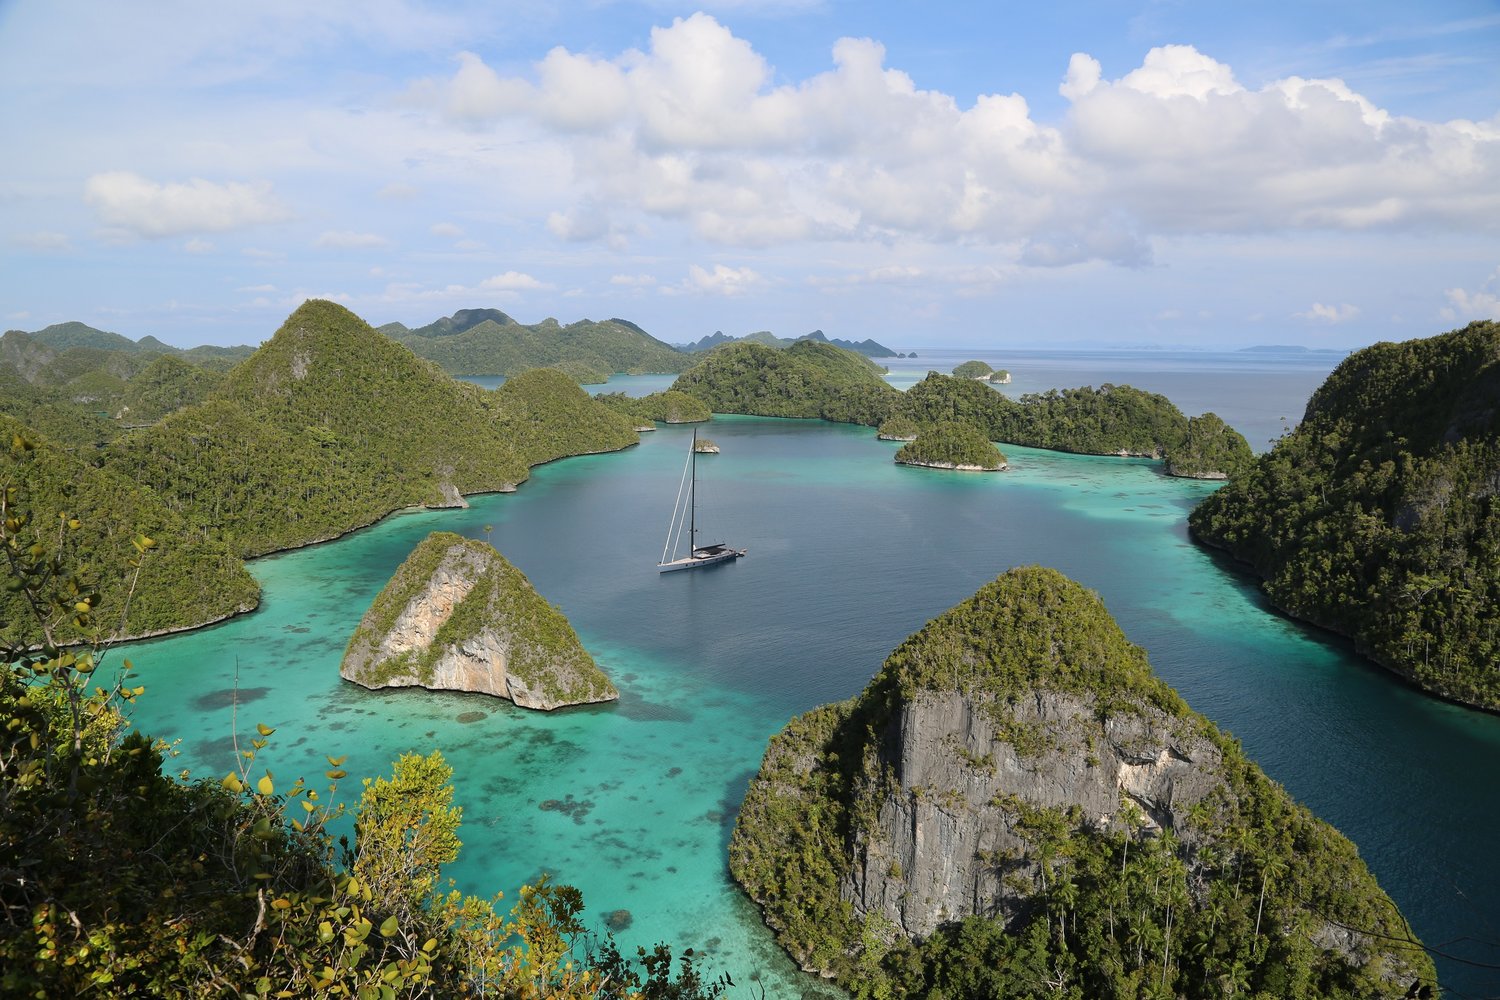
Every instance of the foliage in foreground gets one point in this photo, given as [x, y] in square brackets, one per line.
[117, 880]
[1378, 516]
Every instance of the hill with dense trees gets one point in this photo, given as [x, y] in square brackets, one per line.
[192, 576]
[866, 347]
[488, 342]
[1378, 517]
[331, 426]
[1017, 807]
[950, 445]
[807, 379]
[123, 880]
[810, 379]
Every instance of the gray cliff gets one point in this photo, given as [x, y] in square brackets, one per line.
[458, 617]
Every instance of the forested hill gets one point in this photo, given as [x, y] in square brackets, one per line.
[807, 379]
[330, 426]
[488, 342]
[1017, 800]
[811, 379]
[867, 347]
[1378, 516]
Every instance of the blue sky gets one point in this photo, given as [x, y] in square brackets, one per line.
[937, 174]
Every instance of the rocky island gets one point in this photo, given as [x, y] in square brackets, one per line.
[1378, 517]
[952, 445]
[1017, 806]
[458, 617]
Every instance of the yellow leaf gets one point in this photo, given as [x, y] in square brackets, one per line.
[232, 782]
[265, 785]
[263, 729]
[281, 904]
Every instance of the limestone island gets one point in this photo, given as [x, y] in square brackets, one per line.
[1017, 801]
[897, 429]
[952, 445]
[457, 616]
[706, 446]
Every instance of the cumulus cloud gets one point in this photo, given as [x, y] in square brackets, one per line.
[698, 129]
[1482, 303]
[347, 240]
[446, 229]
[1321, 313]
[197, 246]
[510, 281]
[135, 206]
[722, 280]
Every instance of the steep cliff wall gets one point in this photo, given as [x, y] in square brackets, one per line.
[1016, 806]
[458, 617]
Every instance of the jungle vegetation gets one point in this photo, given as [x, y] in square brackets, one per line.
[1247, 899]
[488, 342]
[329, 426]
[951, 444]
[1378, 517]
[120, 880]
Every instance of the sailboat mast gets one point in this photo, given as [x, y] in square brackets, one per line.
[693, 499]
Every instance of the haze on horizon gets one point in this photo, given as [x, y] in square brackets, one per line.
[1109, 173]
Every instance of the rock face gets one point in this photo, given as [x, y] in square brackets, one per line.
[951, 748]
[458, 617]
[1016, 797]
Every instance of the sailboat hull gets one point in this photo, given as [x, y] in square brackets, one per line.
[700, 558]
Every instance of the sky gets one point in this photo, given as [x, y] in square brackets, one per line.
[1212, 175]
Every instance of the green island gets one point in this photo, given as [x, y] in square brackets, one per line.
[1377, 517]
[669, 407]
[818, 380]
[457, 616]
[122, 879]
[973, 369]
[807, 379]
[327, 427]
[952, 445]
[867, 347]
[488, 342]
[1099, 839]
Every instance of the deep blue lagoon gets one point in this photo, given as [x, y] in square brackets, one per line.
[848, 554]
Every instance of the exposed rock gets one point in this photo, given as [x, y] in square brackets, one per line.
[1016, 763]
[458, 617]
[952, 466]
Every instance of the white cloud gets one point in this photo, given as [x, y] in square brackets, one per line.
[446, 229]
[722, 280]
[258, 253]
[1482, 303]
[46, 242]
[131, 204]
[510, 281]
[1321, 313]
[262, 289]
[632, 280]
[346, 240]
[197, 246]
[699, 130]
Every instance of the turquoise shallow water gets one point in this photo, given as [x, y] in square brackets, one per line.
[849, 553]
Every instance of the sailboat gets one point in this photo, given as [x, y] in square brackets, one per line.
[686, 513]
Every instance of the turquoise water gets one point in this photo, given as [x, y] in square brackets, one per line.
[848, 554]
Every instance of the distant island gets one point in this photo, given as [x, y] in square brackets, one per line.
[1016, 796]
[1378, 517]
[489, 342]
[818, 380]
[457, 616]
[868, 348]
